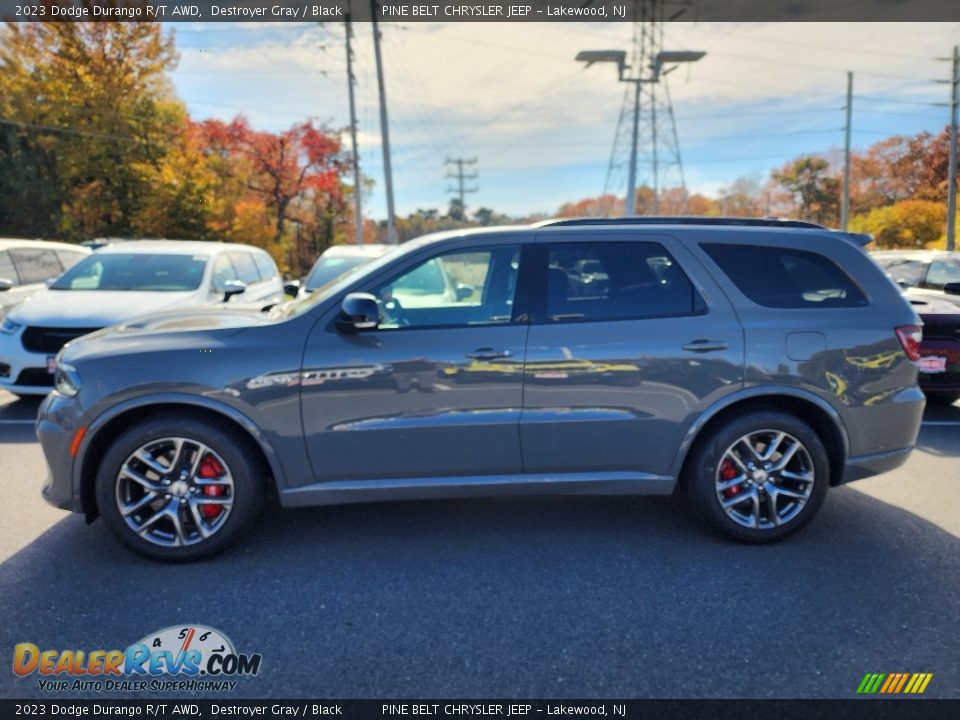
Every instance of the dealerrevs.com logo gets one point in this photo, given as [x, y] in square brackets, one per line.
[201, 657]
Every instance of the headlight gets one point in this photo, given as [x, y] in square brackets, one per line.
[66, 380]
[9, 327]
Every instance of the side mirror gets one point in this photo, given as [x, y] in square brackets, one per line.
[904, 284]
[5, 284]
[359, 311]
[231, 288]
[292, 288]
[952, 288]
[464, 292]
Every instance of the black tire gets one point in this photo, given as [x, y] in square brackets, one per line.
[701, 472]
[242, 461]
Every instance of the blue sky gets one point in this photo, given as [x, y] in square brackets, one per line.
[542, 126]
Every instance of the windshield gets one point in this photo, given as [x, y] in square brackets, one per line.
[135, 271]
[329, 269]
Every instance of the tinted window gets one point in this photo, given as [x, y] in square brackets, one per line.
[474, 287]
[69, 258]
[266, 267]
[786, 278]
[246, 268]
[942, 272]
[7, 270]
[616, 281]
[36, 266]
[134, 271]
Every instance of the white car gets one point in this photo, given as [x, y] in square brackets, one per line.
[337, 261]
[27, 265]
[119, 283]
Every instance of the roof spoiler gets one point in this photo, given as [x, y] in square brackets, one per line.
[858, 239]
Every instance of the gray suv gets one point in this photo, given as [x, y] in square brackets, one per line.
[749, 365]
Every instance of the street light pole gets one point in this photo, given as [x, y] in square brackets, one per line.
[952, 182]
[357, 216]
[845, 207]
[384, 130]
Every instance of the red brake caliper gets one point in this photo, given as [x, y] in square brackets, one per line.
[210, 469]
[729, 472]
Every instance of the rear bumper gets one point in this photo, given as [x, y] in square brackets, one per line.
[864, 466]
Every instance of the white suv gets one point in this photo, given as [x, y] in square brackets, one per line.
[27, 265]
[121, 282]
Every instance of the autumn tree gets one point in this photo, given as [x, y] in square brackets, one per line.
[907, 224]
[817, 192]
[280, 168]
[89, 119]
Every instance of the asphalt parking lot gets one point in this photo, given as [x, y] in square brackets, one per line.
[552, 597]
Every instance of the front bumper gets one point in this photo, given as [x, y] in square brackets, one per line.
[58, 421]
[20, 370]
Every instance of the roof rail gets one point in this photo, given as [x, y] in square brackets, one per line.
[680, 220]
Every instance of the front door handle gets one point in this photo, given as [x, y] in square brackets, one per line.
[486, 353]
[704, 346]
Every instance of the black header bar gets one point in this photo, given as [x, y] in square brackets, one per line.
[477, 11]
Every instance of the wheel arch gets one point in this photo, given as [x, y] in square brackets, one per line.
[108, 426]
[815, 411]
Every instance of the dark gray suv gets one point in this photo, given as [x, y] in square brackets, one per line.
[748, 364]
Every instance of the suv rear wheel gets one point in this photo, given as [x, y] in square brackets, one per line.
[177, 489]
[759, 477]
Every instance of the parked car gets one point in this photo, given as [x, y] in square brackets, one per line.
[920, 269]
[27, 265]
[939, 362]
[752, 348]
[338, 260]
[118, 283]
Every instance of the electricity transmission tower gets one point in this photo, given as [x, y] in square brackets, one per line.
[461, 177]
[647, 112]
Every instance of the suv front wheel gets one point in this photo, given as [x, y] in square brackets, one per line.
[758, 478]
[177, 489]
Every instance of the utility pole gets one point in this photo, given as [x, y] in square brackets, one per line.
[631, 199]
[358, 217]
[952, 182]
[845, 207]
[460, 176]
[384, 130]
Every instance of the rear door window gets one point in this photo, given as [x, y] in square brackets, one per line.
[7, 269]
[36, 266]
[266, 266]
[246, 268]
[596, 281]
[785, 277]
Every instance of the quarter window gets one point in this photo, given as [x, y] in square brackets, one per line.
[786, 278]
[616, 281]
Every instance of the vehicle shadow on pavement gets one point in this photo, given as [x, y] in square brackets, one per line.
[939, 440]
[531, 597]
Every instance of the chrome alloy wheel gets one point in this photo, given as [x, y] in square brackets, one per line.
[764, 479]
[174, 491]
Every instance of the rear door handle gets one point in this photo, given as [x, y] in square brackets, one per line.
[704, 346]
[486, 353]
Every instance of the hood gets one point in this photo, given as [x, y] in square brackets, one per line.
[94, 308]
[930, 303]
[178, 329]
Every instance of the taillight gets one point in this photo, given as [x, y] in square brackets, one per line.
[910, 337]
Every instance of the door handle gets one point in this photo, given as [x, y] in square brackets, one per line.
[704, 346]
[488, 354]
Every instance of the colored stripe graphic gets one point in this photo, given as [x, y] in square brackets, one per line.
[894, 683]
